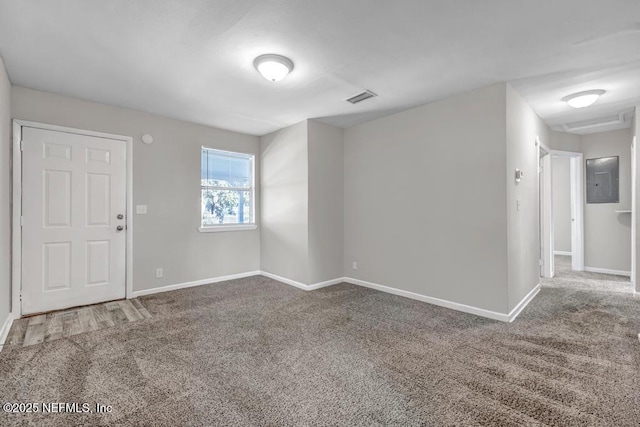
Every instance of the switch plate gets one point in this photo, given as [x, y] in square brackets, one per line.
[141, 209]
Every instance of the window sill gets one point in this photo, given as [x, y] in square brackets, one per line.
[231, 227]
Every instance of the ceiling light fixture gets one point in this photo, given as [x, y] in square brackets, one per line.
[583, 99]
[273, 67]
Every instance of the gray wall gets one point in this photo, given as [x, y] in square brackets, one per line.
[607, 235]
[561, 190]
[5, 194]
[326, 201]
[523, 232]
[563, 141]
[285, 215]
[166, 177]
[425, 200]
[302, 202]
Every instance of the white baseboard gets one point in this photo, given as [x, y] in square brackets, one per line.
[4, 331]
[431, 300]
[326, 283]
[564, 253]
[503, 317]
[523, 303]
[284, 280]
[607, 271]
[302, 285]
[142, 292]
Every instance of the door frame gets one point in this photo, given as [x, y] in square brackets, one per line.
[545, 209]
[576, 175]
[634, 213]
[16, 258]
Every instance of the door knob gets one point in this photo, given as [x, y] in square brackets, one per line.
[119, 228]
[120, 216]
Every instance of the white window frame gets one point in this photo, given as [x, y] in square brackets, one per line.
[252, 190]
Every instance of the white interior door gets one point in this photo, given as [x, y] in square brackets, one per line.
[634, 211]
[546, 214]
[541, 199]
[73, 225]
[577, 212]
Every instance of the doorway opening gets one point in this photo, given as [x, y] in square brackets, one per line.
[573, 201]
[571, 258]
[567, 208]
[545, 212]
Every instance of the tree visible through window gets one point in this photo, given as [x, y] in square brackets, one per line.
[226, 186]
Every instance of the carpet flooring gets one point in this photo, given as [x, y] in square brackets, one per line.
[584, 280]
[255, 352]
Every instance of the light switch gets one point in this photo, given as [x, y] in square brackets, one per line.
[141, 209]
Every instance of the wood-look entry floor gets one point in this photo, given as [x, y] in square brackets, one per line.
[59, 324]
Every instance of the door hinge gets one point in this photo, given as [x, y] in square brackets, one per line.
[21, 145]
[21, 221]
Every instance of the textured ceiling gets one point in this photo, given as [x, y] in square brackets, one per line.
[192, 59]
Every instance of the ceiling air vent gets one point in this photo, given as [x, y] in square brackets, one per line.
[594, 123]
[361, 97]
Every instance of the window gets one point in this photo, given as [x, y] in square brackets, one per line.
[227, 190]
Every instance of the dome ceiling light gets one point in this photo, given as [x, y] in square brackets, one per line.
[273, 67]
[583, 99]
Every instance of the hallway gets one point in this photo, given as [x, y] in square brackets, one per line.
[585, 281]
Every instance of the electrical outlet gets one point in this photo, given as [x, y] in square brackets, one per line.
[159, 273]
[355, 265]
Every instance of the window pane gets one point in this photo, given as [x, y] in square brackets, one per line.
[225, 169]
[226, 207]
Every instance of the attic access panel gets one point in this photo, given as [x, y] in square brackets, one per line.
[603, 180]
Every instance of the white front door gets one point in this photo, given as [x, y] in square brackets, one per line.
[73, 225]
